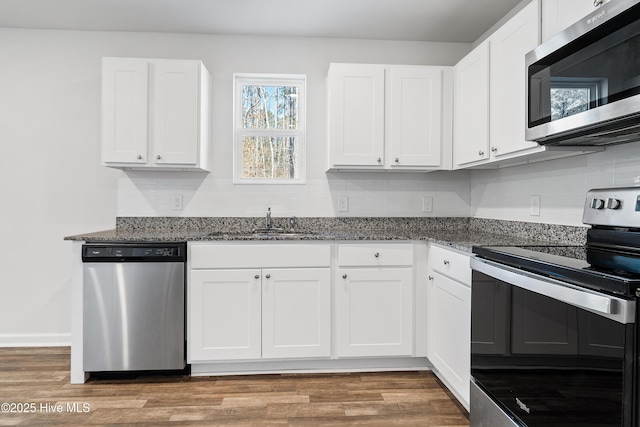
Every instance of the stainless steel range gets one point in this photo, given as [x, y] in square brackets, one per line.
[554, 328]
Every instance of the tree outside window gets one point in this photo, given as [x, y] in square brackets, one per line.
[269, 129]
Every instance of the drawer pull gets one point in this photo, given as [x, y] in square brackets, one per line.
[257, 276]
[377, 255]
[430, 277]
[344, 276]
[446, 262]
[268, 276]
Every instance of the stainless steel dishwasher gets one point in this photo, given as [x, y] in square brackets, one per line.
[134, 307]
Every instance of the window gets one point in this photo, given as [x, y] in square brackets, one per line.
[269, 129]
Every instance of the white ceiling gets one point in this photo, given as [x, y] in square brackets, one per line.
[417, 20]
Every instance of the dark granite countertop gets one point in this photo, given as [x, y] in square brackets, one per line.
[462, 239]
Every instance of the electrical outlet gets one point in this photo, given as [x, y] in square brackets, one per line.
[343, 204]
[427, 204]
[534, 206]
[177, 202]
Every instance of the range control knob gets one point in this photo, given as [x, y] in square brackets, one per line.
[613, 203]
[597, 204]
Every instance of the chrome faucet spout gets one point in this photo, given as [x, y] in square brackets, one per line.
[267, 220]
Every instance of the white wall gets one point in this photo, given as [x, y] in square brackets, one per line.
[561, 184]
[370, 194]
[53, 185]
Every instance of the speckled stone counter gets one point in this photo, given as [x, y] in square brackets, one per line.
[459, 233]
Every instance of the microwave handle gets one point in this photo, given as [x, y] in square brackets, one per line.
[618, 309]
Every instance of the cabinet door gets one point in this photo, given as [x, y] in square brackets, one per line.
[509, 45]
[449, 331]
[374, 313]
[176, 112]
[224, 315]
[414, 116]
[471, 118]
[356, 115]
[296, 313]
[560, 14]
[125, 97]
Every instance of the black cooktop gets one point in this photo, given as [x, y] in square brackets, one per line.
[613, 272]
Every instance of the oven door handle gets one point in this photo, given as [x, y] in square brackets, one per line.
[618, 309]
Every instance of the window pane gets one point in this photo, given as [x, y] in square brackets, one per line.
[568, 101]
[269, 107]
[269, 158]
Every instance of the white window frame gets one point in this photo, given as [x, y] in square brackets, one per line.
[242, 79]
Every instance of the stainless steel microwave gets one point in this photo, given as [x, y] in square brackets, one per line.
[583, 85]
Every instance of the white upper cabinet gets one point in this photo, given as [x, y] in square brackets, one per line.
[507, 86]
[490, 99]
[125, 110]
[389, 117]
[560, 14]
[356, 115]
[155, 114]
[471, 132]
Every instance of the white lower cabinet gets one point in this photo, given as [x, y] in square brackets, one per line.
[296, 313]
[374, 300]
[306, 306]
[374, 315]
[225, 314]
[449, 319]
[267, 312]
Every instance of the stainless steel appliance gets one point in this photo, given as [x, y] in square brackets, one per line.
[554, 328]
[583, 85]
[134, 307]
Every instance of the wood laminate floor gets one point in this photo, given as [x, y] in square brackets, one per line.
[34, 386]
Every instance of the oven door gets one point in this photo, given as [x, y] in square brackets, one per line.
[548, 353]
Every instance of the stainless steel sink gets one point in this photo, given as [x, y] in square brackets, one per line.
[264, 233]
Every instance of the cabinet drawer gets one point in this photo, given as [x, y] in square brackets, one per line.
[259, 256]
[450, 263]
[381, 254]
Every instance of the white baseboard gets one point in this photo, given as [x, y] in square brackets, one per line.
[35, 340]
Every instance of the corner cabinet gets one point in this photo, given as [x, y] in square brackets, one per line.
[449, 318]
[155, 114]
[490, 83]
[385, 117]
[253, 302]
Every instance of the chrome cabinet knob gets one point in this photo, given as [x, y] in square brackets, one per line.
[446, 262]
[268, 276]
[480, 153]
[397, 160]
[139, 156]
[494, 149]
[257, 276]
[379, 160]
[377, 255]
[344, 276]
[158, 157]
[597, 3]
[430, 277]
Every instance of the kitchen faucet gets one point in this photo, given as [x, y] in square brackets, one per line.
[267, 220]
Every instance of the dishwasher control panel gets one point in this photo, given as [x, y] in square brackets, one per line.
[174, 252]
